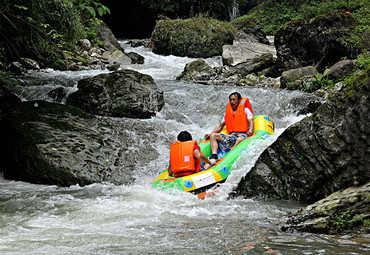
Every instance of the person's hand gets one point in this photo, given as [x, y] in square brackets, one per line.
[207, 136]
[249, 133]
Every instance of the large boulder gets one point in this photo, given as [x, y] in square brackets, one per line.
[319, 155]
[244, 51]
[124, 93]
[249, 31]
[318, 42]
[197, 71]
[106, 35]
[341, 69]
[58, 144]
[342, 211]
[7, 100]
[254, 65]
[294, 78]
[197, 37]
[305, 104]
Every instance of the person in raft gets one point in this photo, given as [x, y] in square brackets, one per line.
[238, 119]
[185, 156]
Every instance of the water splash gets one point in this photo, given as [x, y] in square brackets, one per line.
[136, 219]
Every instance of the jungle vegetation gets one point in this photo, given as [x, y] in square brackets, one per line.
[45, 29]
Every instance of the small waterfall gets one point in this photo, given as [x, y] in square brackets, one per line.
[136, 219]
[234, 10]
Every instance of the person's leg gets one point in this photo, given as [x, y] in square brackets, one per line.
[238, 140]
[214, 138]
[239, 137]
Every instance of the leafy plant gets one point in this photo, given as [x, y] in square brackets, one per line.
[89, 8]
[342, 221]
[319, 81]
[273, 14]
[366, 222]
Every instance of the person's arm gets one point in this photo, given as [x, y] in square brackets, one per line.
[170, 173]
[250, 127]
[217, 129]
[201, 157]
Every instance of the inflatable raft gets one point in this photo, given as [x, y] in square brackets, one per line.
[199, 183]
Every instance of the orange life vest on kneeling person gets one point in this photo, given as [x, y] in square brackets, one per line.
[182, 158]
[238, 121]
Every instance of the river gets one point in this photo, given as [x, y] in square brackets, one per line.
[136, 219]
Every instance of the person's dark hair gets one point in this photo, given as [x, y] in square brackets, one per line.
[236, 94]
[184, 136]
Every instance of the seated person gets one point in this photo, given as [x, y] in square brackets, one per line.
[238, 119]
[185, 156]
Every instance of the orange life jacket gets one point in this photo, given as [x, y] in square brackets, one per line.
[237, 122]
[182, 158]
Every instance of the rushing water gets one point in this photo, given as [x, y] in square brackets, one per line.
[135, 219]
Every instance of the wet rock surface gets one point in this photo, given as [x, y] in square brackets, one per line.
[342, 211]
[58, 144]
[315, 42]
[319, 155]
[124, 93]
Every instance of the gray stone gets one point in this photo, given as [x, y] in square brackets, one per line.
[197, 71]
[136, 58]
[56, 144]
[30, 64]
[85, 43]
[315, 42]
[125, 93]
[341, 69]
[244, 51]
[294, 77]
[342, 211]
[106, 35]
[16, 68]
[319, 155]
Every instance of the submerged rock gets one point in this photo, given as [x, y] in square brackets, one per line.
[124, 93]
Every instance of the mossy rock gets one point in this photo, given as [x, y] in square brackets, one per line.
[194, 37]
[59, 65]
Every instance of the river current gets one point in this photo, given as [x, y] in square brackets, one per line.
[136, 219]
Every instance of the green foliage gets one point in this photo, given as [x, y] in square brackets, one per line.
[189, 8]
[360, 75]
[45, 29]
[38, 29]
[346, 221]
[319, 82]
[5, 78]
[342, 221]
[273, 14]
[366, 223]
[288, 147]
[90, 8]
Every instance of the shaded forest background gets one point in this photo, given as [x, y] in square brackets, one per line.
[46, 30]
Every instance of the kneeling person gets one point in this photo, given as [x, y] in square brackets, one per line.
[185, 156]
